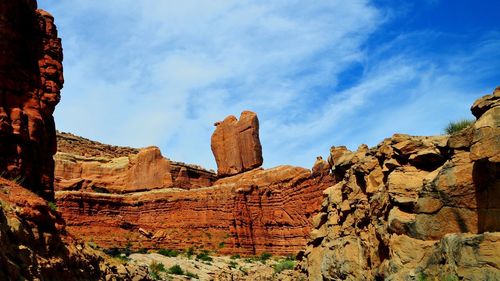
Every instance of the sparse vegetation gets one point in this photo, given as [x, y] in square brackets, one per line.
[189, 252]
[168, 253]
[155, 268]
[233, 264]
[52, 206]
[265, 256]
[284, 265]
[455, 127]
[237, 256]
[222, 245]
[176, 270]
[203, 256]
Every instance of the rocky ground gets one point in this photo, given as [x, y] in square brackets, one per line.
[206, 267]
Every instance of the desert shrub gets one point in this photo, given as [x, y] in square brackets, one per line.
[155, 268]
[284, 265]
[455, 127]
[168, 253]
[222, 245]
[237, 256]
[265, 256]
[203, 256]
[176, 270]
[52, 206]
[189, 252]
[233, 264]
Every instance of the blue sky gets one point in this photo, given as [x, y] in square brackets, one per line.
[318, 73]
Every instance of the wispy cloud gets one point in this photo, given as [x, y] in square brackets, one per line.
[162, 72]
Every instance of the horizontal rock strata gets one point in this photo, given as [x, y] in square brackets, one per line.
[254, 212]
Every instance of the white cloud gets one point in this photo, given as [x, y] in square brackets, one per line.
[161, 73]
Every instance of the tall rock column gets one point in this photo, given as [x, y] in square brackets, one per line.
[30, 83]
[236, 144]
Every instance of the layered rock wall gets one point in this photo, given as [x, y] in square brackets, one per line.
[400, 210]
[254, 212]
[30, 83]
[87, 165]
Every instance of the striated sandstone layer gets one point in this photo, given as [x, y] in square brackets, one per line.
[413, 208]
[35, 246]
[87, 165]
[30, 83]
[236, 144]
[254, 212]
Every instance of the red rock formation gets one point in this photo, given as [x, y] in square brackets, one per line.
[30, 83]
[254, 212]
[82, 164]
[401, 208]
[236, 145]
[33, 242]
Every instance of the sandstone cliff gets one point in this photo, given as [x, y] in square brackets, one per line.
[254, 212]
[413, 208]
[33, 242]
[30, 83]
[35, 246]
[82, 164]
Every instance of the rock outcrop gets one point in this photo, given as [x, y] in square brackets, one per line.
[250, 213]
[35, 246]
[413, 208]
[30, 83]
[87, 165]
[236, 144]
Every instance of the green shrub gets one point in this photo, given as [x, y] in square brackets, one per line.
[265, 256]
[222, 245]
[233, 264]
[155, 268]
[168, 253]
[204, 256]
[189, 252]
[52, 206]
[237, 256]
[455, 127]
[284, 265]
[176, 270]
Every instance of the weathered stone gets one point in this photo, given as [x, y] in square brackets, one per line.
[236, 144]
[405, 183]
[320, 167]
[30, 84]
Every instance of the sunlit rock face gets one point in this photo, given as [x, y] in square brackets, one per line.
[30, 83]
[413, 207]
[236, 144]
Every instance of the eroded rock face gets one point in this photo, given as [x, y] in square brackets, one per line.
[400, 209]
[87, 165]
[236, 145]
[34, 244]
[30, 83]
[250, 213]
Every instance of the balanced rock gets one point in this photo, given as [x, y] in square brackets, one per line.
[236, 145]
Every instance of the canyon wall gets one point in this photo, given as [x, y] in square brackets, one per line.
[413, 208]
[250, 213]
[126, 197]
[34, 244]
[30, 83]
